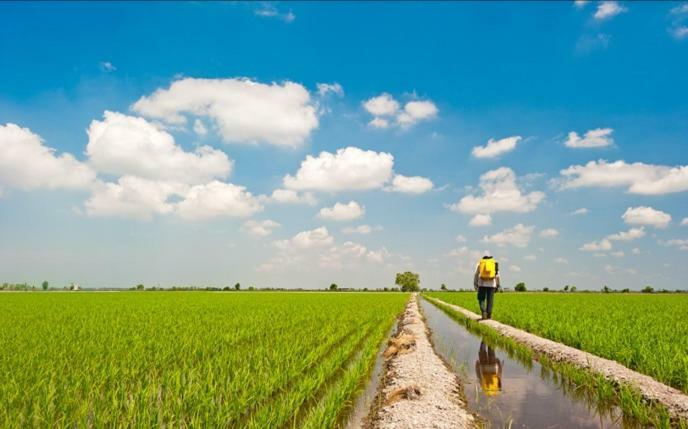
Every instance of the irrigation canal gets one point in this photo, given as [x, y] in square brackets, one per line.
[508, 393]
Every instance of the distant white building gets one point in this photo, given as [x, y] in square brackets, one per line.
[74, 286]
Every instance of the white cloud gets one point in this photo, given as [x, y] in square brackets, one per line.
[549, 233]
[592, 42]
[514, 268]
[379, 123]
[382, 105]
[107, 66]
[126, 145]
[268, 10]
[580, 212]
[355, 250]
[317, 248]
[314, 238]
[377, 256]
[678, 16]
[680, 32]
[599, 137]
[518, 236]
[639, 178]
[530, 257]
[619, 254]
[342, 212]
[140, 198]
[644, 215]
[464, 260]
[581, 3]
[561, 260]
[260, 228]
[460, 239]
[680, 243]
[410, 185]
[199, 127]
[596, 246]
[631, 234]
[350, 253]
[500, 193]
[330, 88]
[216, 199]
[684, 222]
[361, 229]
[416, 111]
[635, 251]
[608, 9]
[244, 111]
[494, 148]
[348, 169]
[680, 9]
[25, 163]
[606, 243]
[290, 196]
[531, 178]
[481, 220]
[132, 197]
[358, 251]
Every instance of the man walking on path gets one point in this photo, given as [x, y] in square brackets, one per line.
[486, 282]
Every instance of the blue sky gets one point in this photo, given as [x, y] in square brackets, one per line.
[212, 105]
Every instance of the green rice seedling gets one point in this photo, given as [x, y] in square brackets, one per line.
[189, 359]
[338, 398]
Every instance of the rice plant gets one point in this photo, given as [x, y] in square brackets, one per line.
[187, 359]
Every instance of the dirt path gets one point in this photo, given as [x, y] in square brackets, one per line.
[674, 400]
[418, 391]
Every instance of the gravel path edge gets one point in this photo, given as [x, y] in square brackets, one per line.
[418, 390]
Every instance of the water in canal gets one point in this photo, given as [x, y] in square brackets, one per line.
[505, 392]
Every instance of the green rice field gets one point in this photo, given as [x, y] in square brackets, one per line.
[648, 333]
[187, 359]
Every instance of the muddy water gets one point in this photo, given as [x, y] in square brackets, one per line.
[364, 402]
[505, 392]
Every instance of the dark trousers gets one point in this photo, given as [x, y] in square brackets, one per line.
[486, 294]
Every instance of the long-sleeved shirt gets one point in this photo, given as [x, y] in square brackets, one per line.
[478, 282]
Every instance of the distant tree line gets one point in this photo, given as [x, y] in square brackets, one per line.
[17, 286]
[27, 287]
[521, 287]
[236, 287]
[407, 282]
[335, 288]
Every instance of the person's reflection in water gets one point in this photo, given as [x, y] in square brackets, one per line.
[489, 370]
